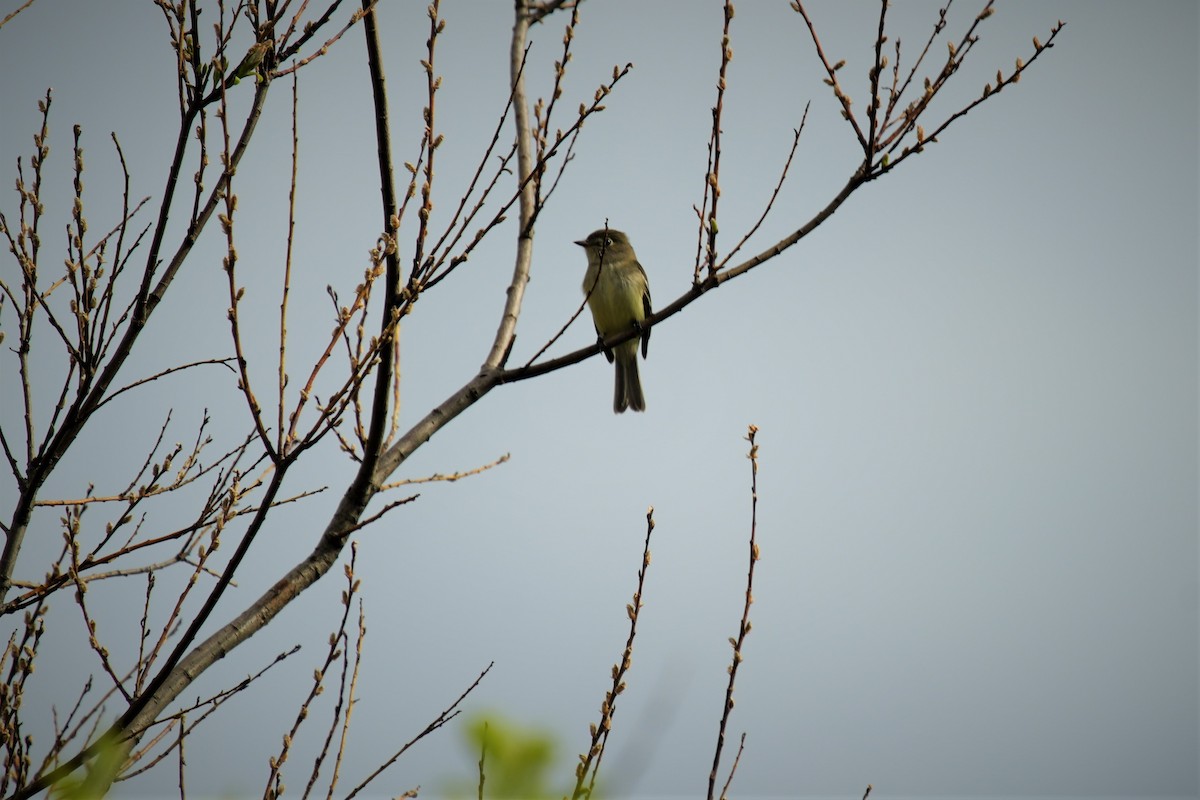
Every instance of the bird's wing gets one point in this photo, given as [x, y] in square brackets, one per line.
[646, 308]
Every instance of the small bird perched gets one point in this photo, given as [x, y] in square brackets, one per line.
[618, 295]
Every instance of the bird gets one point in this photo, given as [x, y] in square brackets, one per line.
[618, 295]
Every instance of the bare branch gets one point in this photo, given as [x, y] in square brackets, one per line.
[449, 713]
[707, 212]
[224, 362]
[589, 763]
[178, 720]
[831, 70]
[14, 12]
[103, 326]
[775, 194]
[450, 478]
[733, 769]
[743, 628]
[281, 442]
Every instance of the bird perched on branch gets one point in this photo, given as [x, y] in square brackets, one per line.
[618, 295]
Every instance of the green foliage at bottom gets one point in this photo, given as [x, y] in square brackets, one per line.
[96, 779]
[517, 760]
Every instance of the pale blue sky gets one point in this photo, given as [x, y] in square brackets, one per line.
[976, 387]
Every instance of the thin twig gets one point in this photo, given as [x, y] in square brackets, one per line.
[451, 478]
[16, 11]
[745, 626]
[350, 700]
[873, 102]
[282, 444]
[449, 713]
[235, 295]
[312, 28]
[177, 720]
[365, 521]
[733, 769]
[589, 763]
[775, 194]
[182, 758]
[988, 91]
[707, 235]
[831, 70]
[338, 641]
[224, 362]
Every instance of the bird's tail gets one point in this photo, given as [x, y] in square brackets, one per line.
[627, 393]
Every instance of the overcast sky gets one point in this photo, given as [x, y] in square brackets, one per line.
[976, 388]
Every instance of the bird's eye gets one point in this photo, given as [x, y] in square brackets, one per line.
[608, 240]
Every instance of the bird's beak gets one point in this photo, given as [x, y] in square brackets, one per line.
[581, 243]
